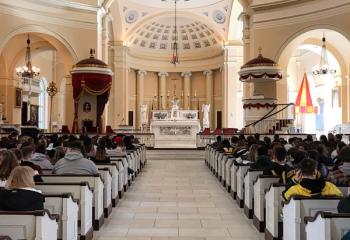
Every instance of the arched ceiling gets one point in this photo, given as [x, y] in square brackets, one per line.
[182, 4]
[159, 35]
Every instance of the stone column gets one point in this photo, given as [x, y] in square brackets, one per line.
[139, 95]
[187, 89]
[162, 90]
[120, 84]
[245, 18]
[209, 78]
[232, 108]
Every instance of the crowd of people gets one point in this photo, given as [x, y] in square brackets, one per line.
[307, 167]
[23, 159]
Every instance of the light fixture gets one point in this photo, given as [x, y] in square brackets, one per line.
[175, 58]
[324, 67]
[28, 70]
[51, 91]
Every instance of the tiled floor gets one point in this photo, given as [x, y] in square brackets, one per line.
[177, 199]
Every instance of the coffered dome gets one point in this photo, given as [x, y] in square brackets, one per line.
[180, 3]
[160, 34]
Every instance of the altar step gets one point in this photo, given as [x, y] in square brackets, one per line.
[175, 154]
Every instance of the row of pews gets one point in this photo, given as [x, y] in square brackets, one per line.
[261, 198]
[75, 205]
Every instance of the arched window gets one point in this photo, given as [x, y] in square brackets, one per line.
[43, 105]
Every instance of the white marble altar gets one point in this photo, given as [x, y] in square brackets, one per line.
[175, 128]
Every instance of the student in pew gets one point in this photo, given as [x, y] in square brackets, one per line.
[128, 143]
[308, 184]
[27, 155]
[40, 158]
[74, 162]
[20, 193]
[279, 167]
[101, 154]
[263, 160]
[341, 174]
[8, 162]
[17, 153]
[335, 153]
[59, 154]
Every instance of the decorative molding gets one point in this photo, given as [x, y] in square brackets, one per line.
[141, 73]
[208, 72]
[186, 74]
[162, 74]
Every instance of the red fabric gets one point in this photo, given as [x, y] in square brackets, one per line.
[95, 84]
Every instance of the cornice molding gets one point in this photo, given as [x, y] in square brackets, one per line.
[41, 16]
[64, 4]
[268, 5]
[261, 22]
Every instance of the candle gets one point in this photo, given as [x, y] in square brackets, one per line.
[195, 93]
[168, 93]
[182, 93]
[188, 94]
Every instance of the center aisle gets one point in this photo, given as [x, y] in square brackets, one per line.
[177, 199]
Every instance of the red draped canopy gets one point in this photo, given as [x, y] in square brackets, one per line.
[97, 84]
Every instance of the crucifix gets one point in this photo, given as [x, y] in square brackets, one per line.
[175, 81]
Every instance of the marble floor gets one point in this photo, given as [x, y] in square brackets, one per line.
[177, 199]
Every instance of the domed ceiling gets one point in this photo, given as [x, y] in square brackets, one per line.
[160, 34]
[180, 3]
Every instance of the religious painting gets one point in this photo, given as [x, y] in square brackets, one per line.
[87, 107]
[18, 97]
[34, 115]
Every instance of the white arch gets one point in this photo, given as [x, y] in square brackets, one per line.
[37, 29]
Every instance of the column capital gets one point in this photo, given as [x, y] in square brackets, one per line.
[163, 74]
[208, 72]
[186, 74]
[141, 73]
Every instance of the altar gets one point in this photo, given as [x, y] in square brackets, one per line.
[175, 128]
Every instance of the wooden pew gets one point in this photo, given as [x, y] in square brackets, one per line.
[228, 166]
[223, 168]
[273, 202]
[114, 171]
[107, 190]
[97, 185]
[233, 171]
[249, 179]
[297, 208]
[67, 208]
[80, 191]
[122, 174]
[241, 171]
[28, 225]
[261, 185]
[327, 226]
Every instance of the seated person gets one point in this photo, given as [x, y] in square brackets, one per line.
[40, 158]
[341, 175]
[344, 204]
[263, 160]
[19, 193]
[27, 155]
[308, 184]
[278, 166]
[74, 162]
[8, 162]
[101, 155]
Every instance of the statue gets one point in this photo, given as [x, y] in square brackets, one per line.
[175, 109]
[206, 110]
[144, 117]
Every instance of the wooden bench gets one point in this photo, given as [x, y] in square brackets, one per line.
[273, 203]
[114, 171]
[67, 208]
[223, 168]
[228, 166]
[97, 185]
[297, 208]
[249, 179]
[30, 225]
[241, 171]
[80, 191]
[106, 176]
[233, 173]
[122, 175]
[327, 226]
[261, 185]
